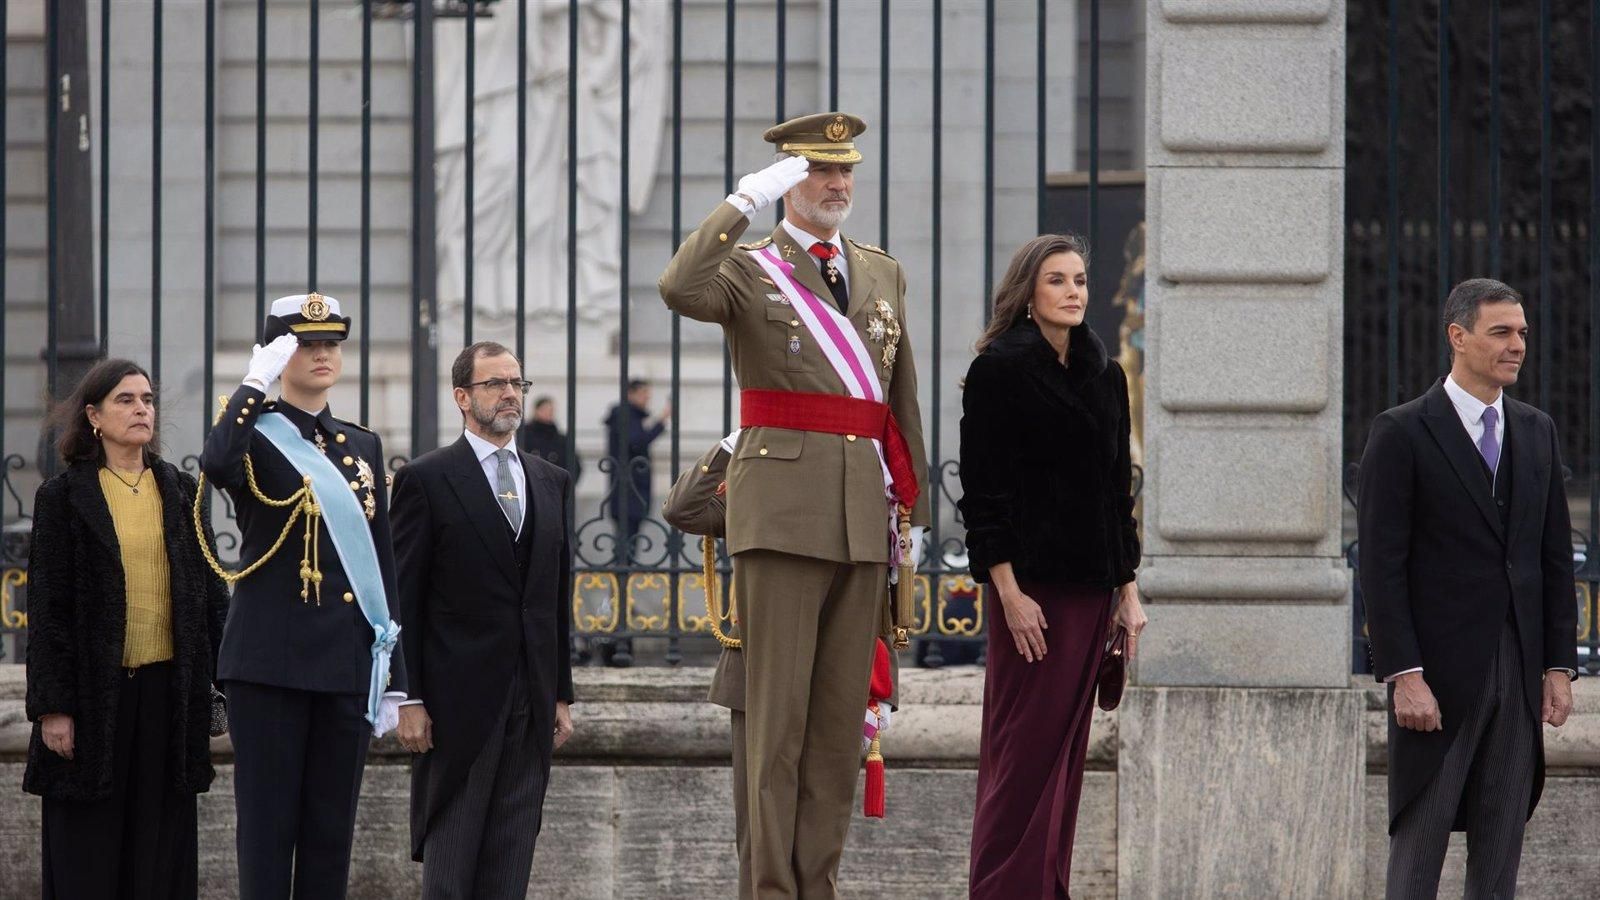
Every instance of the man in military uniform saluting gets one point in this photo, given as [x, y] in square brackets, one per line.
[309, 657]
[829, 456]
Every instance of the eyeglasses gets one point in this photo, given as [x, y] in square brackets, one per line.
[499, 384]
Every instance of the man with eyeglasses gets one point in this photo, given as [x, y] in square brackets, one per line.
[484, 563]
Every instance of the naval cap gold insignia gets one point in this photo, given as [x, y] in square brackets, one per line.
[836, 130]
[315, 309]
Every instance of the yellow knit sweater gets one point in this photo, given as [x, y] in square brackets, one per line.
[137, 518]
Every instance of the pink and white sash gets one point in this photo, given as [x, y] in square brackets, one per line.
[841, 344]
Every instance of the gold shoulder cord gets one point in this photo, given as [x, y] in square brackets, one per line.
[302, 501]
[904, 596]
[714, 596]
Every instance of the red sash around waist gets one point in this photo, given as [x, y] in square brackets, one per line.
[836, 414]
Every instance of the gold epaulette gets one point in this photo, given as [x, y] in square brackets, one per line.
[756, 245]
[878, 250]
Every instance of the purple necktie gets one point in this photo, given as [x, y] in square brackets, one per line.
[1489, 444]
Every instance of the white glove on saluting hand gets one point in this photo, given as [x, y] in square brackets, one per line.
[759, 190]
[267, 363]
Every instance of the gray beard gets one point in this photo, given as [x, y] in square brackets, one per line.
[496, 423]
[819, 215]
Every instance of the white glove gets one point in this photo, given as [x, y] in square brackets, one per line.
[267, 363]
[761, 189]
[388, 714]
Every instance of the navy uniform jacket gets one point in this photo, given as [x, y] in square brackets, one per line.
[273, 636]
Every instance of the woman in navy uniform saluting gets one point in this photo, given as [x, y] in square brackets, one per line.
[309, 660]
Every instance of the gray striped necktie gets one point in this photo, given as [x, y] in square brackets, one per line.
[506, 489]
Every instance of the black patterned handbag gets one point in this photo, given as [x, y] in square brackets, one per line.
[219, 713]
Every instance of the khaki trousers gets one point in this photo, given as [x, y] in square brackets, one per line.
[808, 627]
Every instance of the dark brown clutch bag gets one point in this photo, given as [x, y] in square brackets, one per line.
[1113, 670]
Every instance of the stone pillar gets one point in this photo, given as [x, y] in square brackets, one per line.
[1241, 758]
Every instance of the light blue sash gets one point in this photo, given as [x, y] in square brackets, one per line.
[352, 540]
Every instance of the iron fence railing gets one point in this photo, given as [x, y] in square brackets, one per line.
[653, 586]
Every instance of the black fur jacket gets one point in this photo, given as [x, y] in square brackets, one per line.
[76, 618]
[1045, 470]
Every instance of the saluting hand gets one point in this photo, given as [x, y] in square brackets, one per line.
[268, 362]
[1414, 705]
[763, 188]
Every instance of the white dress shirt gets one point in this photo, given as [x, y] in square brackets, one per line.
[1470, 409]
[491, 470]
[805, 239]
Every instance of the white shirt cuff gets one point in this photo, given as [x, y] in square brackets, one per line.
[405, 702]
[1403, 672]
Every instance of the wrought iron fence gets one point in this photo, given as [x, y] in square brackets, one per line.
[651, 584]
[1471, 151]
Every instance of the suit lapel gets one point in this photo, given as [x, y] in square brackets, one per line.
[1524, 490]
[466, 479]
[543, 510]
[863, 286]
[1444, 424]
[805, 265]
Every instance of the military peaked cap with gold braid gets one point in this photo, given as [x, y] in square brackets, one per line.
[309, 317]
[822, 137]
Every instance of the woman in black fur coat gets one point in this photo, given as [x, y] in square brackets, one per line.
[1047, 502]
[124, 621]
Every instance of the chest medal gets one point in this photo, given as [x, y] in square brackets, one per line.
[883, 328]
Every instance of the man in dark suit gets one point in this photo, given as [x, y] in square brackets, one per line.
[1466, 569]
[307, 687]
[480, 533]
[543, 439]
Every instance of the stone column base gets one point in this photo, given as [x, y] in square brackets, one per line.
[1239, 792]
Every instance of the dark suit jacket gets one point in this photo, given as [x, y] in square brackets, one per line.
[274, 637]
[77, 609]
[1440, 572]
[468, 614]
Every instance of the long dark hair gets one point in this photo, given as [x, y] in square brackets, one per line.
[77, 441]
[1015, 292]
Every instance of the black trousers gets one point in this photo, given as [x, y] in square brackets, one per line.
[298, 758]
[139, 843]
[1486, 777]
[480, 845]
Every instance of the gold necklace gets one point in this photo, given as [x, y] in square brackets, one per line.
[136, 482]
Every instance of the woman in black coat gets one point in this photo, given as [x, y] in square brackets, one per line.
[124, 621]
[1047, 502]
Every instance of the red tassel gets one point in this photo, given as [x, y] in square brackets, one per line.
[872, 805]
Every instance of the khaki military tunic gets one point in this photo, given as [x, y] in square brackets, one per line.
[805, 493]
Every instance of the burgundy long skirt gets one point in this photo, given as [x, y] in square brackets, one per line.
[1035, 734]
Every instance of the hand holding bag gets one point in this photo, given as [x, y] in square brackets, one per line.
[1113, 670]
